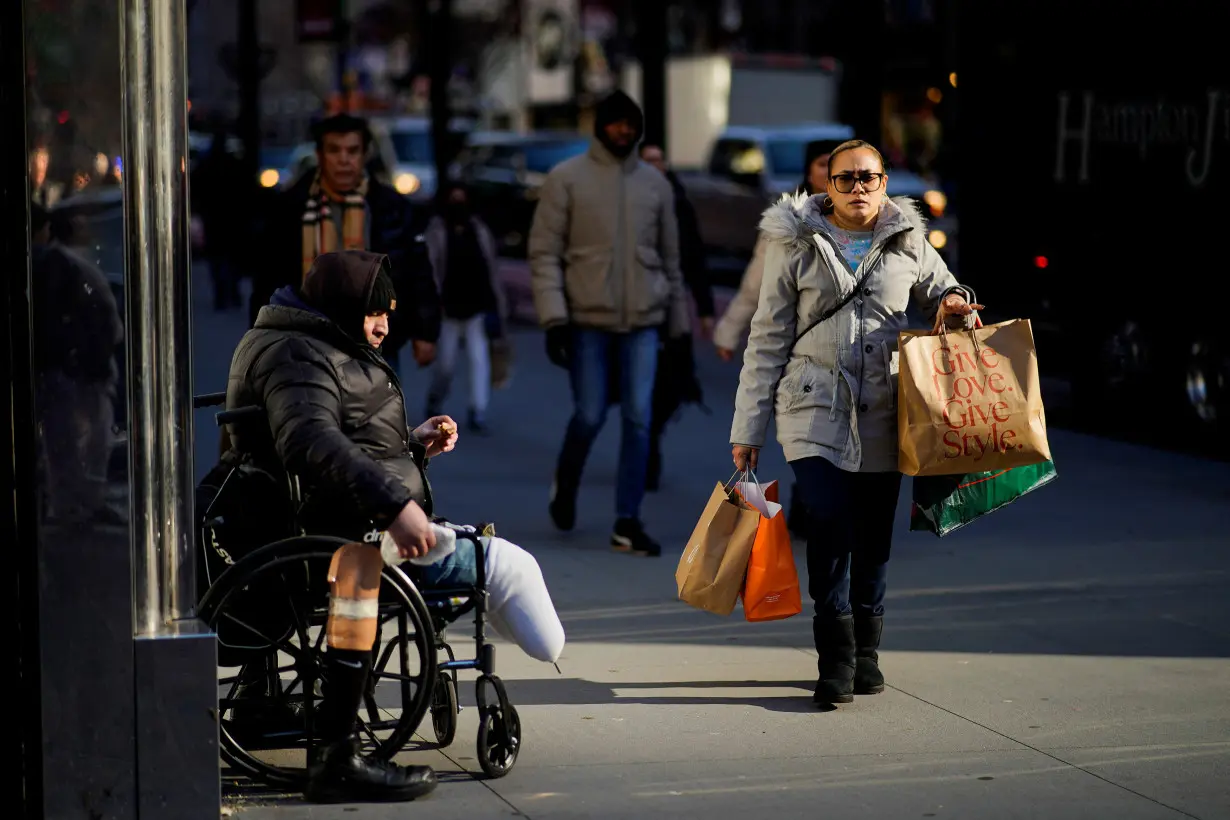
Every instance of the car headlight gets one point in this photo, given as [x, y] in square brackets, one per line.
[406, 183]
[269, 178]
[938, 239]
[936, 201]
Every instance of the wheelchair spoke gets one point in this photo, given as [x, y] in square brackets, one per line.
[288, 648]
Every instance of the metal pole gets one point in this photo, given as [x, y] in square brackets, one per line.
[652, 46]
[158, 310]
[440, 68]
[248, 123]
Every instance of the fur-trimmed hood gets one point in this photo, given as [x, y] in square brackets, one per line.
[794, 218]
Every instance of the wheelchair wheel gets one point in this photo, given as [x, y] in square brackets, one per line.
[269, 612]
[499, 741]
[444, 710]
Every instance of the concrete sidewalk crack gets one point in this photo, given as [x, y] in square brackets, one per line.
[1045, 753]
[485, 783]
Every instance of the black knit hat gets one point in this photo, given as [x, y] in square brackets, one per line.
[384, 295]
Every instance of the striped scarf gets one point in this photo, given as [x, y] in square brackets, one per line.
[320, 228]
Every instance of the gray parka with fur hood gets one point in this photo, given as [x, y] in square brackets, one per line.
[835, 394]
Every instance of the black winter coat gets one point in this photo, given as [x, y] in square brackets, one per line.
[392, 234]
[334, 416]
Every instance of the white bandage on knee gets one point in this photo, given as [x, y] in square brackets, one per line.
[520, 605]
[354, 609]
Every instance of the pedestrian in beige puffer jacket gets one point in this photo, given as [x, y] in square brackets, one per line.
[840, 272]
[604, 265]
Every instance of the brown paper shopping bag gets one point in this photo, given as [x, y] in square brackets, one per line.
[711, 569]
[970, 401]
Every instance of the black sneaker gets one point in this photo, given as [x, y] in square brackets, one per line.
[563, 507]
[476, 424]
[337, 773]
[630, 537]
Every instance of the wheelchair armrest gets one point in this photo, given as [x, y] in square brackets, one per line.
[238, 414]
[208, 400]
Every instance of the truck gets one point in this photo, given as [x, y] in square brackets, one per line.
[1093, 160]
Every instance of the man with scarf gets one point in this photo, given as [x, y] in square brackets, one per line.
[335, 418]
[605, 272]
[340, 207]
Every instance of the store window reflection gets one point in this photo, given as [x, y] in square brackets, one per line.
[73, 134]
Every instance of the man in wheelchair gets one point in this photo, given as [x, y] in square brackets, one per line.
[335, 418]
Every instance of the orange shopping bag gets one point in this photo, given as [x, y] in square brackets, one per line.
[771, 588]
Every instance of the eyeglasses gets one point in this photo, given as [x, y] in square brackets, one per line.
[844, 183]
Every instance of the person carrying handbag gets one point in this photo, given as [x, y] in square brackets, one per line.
[841, 268]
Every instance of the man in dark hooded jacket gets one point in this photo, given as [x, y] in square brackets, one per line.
[605, 272]
[335, 417]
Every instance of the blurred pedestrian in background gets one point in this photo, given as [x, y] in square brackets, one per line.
[729, 334]
[77, 334]
[604, 262]
[339, 207]
[676, 383]
[463, 257]
[840, 271]
[222, 195]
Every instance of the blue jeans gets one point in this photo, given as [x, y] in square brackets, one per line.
[459, 569]
[849, 535]
[636, 356]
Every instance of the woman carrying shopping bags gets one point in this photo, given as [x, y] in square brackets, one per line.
[840, 270]
[463, 257]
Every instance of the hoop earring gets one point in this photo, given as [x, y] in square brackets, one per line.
[827, 202]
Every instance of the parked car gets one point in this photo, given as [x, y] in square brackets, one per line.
[504, 171]
[750, 167]
[404, 154]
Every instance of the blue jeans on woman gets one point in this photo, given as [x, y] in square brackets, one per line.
[636, 356]
[849, 527]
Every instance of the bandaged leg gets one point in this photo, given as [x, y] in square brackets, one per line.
[354, 593]
[354, 597]
[519, 604]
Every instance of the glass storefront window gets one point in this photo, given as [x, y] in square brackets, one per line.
[74, 136]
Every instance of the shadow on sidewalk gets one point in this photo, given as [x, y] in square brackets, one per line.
[770, 695]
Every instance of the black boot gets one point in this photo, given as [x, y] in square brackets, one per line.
[337, 772]
[868, 680]
[835, 643]
[563, 504]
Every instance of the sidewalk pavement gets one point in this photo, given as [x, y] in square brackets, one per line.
[1064, 658]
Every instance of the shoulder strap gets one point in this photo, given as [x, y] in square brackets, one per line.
[831, 312]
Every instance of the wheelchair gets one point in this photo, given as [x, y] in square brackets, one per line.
[263, 589]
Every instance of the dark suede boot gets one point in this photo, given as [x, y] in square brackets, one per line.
[868, 680]
[835, 643]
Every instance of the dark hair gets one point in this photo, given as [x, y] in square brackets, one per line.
[341, 124]
[850, 145]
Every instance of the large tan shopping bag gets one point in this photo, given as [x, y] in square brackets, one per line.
[970, 401]
[711, 569]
